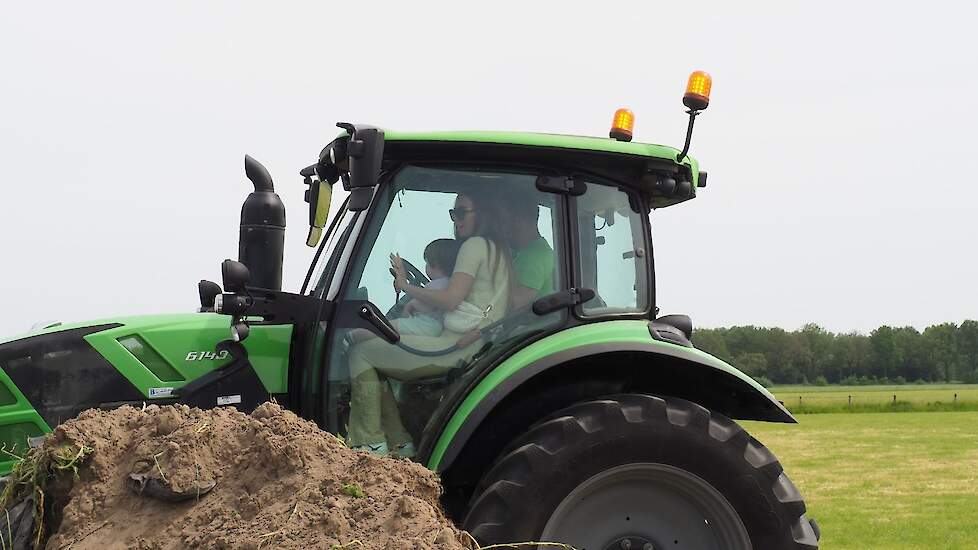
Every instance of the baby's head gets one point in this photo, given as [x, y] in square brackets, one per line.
[439, 258]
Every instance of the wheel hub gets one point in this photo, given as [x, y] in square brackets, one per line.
[632, 543]
[646, 506]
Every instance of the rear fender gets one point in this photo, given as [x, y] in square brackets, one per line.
[605, 358]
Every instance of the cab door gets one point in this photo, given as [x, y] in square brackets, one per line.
[424, 371]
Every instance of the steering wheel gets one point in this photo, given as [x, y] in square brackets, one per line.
[415, 277]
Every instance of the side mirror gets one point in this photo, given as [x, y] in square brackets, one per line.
[365, 151]
[319, 195]
[235, 276]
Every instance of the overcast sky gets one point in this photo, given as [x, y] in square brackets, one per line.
[839, 140]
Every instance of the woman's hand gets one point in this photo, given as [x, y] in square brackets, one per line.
[400, 273]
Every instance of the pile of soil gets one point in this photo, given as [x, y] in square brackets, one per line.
[265, 480]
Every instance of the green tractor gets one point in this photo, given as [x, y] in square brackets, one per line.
[482, 303]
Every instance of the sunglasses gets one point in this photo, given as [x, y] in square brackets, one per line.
[459, 214]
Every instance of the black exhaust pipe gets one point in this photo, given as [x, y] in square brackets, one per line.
[261, 242]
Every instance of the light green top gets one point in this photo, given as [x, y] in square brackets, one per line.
[477, 257]
[534, 266]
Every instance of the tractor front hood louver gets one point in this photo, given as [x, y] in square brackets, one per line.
[62, 375]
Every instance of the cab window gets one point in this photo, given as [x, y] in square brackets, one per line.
[612, 253]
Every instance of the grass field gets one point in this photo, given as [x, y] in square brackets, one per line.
[881, 480]
[930, 397]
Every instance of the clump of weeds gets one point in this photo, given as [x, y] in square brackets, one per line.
[35, 471]
[353, 490]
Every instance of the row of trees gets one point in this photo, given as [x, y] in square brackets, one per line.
[941, 353]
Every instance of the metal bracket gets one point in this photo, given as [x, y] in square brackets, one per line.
[283, 308]
[563, 185]
[559, 300]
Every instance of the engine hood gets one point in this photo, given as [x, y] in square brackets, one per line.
[61, 327]
[64, 369]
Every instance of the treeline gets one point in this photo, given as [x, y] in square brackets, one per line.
[812, 355]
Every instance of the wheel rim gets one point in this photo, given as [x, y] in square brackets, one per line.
[646, 506]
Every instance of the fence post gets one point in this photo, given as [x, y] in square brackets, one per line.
[850, 401]
[799, 401]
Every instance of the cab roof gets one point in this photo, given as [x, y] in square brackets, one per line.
[561, 141]
[628, 163]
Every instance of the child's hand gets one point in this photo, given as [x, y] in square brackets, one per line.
[400, 274]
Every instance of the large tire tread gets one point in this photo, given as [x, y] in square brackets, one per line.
[775, 519]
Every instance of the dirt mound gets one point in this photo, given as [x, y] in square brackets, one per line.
[268, 480]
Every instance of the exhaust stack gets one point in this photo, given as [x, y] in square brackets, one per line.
[261, 241]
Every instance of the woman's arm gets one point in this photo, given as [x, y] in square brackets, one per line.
[448, 299]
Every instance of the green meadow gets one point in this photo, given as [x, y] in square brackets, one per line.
[880, 480]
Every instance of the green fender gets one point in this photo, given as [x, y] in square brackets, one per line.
[583, 341]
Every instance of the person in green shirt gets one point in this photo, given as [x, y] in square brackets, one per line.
[533, 258]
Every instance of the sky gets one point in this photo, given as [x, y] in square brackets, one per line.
[839, 139]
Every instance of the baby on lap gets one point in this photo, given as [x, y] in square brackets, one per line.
[419, 318]
[439, 263]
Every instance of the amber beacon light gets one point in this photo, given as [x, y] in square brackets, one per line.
[622, 125]
[697, 96]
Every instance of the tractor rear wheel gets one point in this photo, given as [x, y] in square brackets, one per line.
[643, 473]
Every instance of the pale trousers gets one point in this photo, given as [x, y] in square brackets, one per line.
[374, 414]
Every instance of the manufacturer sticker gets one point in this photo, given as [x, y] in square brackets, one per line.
[160, 392]
[229, 400]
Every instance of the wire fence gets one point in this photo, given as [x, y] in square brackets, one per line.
[880, 401]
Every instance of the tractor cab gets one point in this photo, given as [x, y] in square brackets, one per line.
[461, 250]
[537, 258]
[453, 252]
